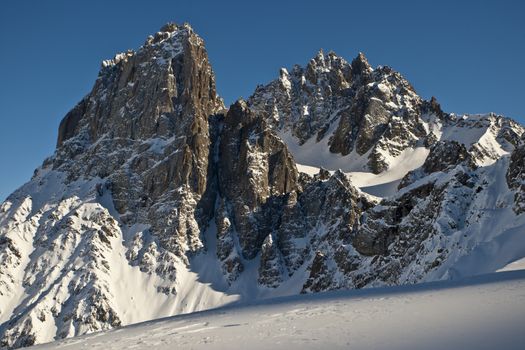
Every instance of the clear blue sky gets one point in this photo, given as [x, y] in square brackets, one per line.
[469, 54]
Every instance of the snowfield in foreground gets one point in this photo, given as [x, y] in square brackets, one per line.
[484, 312]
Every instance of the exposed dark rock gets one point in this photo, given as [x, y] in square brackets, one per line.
[443, 155]
[255, 170]
[516, 176]
[320, 276]
[69, 125]
[367, 110]
[226, 251]
[271, 267]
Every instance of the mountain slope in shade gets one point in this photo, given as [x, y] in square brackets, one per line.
[159, 201]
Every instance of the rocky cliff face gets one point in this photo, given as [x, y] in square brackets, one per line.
[369, 116]
[516, 176]
[370, 113]
[144, 130]
[159, 196]
[255, 171]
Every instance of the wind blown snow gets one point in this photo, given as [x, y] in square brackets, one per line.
[485, 312]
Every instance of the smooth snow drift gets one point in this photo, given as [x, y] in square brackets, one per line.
[484, 312]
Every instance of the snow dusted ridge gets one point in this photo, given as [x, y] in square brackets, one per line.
[370, 123]
[481, 313]
[158, 201]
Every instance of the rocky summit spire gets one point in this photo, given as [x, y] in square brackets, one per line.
[149, 102]
[320, 55]
[360, 64]
[141, 94]
[154, 104]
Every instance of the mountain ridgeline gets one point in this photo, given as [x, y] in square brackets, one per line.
[159, 200]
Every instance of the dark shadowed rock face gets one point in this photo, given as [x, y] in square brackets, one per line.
[255, 171]
[445, 154]
[516, 176]
[410, 234]
[271, 267]
[70, 124]
[320, 277]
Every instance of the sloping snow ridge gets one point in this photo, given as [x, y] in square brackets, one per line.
[485, 312]
[514, 266]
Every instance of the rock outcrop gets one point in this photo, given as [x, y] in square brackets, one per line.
[516, 176]
[443, 156]
[255, 171]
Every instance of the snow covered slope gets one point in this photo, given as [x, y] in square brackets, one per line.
[487, 312]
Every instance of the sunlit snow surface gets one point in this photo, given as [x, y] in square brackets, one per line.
[312, 155]
[485, 312]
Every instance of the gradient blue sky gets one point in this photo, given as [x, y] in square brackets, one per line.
[469, 54]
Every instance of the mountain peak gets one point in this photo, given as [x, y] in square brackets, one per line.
[139, 94]
[170, 27]
[168, 42]
[360, 63]
[174, 32]
[320, 55]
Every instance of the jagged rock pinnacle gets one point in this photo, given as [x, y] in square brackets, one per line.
[360, 64]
